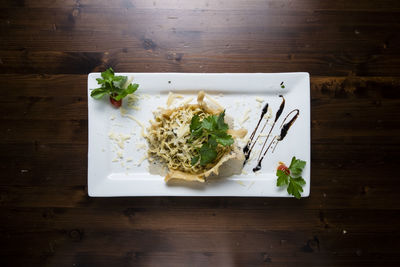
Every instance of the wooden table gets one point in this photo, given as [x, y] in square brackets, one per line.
[351, 50]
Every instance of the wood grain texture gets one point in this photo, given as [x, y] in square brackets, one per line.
[351, 50]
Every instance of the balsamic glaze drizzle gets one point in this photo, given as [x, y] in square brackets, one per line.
[285, 127]
[277, 115]
[284, 130]
[258, 167]
[280, 110]
[247, 149]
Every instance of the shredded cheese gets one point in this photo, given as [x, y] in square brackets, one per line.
[268, 114]
[139, 123]
[245, 117]
[240, 182]
[171, 98]
[134, 107]
[215, 102]
[259, 99]
[119, 139]
[147, 96]
[122, 111]
[187, 101]
[244, 120]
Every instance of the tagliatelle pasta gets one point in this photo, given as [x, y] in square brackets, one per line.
[169, 141]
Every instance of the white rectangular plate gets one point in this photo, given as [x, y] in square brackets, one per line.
[111, 175]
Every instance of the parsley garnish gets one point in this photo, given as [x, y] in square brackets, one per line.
[282, 85]
[291, 177]
[215, 129]
[113, 85]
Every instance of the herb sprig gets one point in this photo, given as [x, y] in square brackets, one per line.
[291, 177]
[114, 86]
[215, 130]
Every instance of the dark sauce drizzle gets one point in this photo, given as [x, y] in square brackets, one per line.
[258, 167]
[277, 115]
[250, 145]
[285, 126]
[284, 130]
[247, 149]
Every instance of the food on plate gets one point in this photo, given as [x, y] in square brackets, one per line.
[117, 87]
[291, 176]
[193, 142]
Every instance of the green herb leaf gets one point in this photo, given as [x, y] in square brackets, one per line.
[221, 125]
[119, 81]
[295, 186]
[100, 81]
[195, 128]
[194, 160]
[223, 138]
[215, 129]
[293, 181]
[212, 142]
[296, 167]
[98, 93]
[129, 90]
[207, 154]
[195, 124]
[209, 123]
[283, 178]
[108, 75]
[113, 86]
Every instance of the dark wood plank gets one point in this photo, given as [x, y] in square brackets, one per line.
[350, 48]
[327, 41]
[79, 246]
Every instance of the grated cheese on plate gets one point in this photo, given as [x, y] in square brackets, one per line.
[138, 122]
[171, 98]
[245, 117]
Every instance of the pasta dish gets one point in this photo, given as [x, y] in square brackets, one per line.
[186, 152]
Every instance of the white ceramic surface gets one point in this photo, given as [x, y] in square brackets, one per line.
[237, 92]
